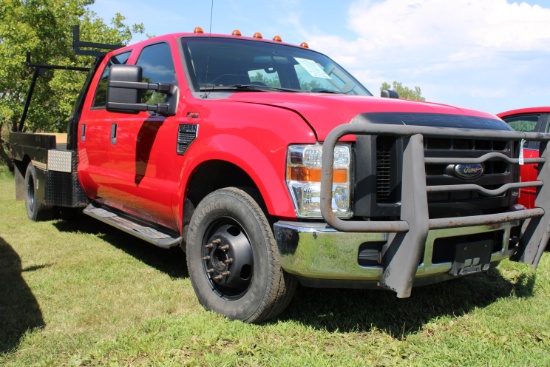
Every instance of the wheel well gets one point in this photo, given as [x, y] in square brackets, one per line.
[212, 176]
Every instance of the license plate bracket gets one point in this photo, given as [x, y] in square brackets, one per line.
[472, 257]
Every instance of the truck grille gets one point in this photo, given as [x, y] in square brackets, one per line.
[383, 171]
[388, 166]
[496, 173]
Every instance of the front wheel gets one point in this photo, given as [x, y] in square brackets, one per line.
[233, 260]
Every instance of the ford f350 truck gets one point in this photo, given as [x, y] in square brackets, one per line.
[269, 165]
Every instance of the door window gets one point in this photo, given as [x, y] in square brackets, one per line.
[524, 123]
[100, 99]
[158, 67]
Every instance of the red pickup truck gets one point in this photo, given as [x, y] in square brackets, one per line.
[531, 119]
[269, 165]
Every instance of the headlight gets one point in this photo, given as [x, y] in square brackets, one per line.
[303, 178]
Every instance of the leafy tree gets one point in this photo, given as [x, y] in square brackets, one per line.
[404, 92]
[44, 28]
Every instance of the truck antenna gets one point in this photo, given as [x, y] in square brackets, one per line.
[209, 37]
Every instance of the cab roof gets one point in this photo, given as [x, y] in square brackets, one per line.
[526, 110]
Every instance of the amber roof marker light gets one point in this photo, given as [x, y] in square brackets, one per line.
[257, 35]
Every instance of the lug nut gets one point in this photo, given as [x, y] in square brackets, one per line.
[210, 271]
[226, 273]
[217, 277]
[217, 241]
[228, 261]
[224, 247]
[209, 246]
[206, 258]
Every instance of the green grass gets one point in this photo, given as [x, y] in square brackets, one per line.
[82, 294]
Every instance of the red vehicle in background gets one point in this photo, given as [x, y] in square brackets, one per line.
[531, 119]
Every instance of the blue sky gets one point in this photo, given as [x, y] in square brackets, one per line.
[490, 55]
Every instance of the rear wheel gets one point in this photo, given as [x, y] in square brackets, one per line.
[233, 261]
[36, 210]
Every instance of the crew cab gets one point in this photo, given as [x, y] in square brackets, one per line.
[269, 165]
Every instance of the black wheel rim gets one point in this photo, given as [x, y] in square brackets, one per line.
[227, 259]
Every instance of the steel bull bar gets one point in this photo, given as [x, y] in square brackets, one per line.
[408, 235]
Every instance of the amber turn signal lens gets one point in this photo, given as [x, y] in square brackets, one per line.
[314, 175]
[304, 45]
[198, 30]
[258, 35]
[236, 32]
[277, 39]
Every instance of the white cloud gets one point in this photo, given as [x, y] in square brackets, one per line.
[411, 24]
[479, 47]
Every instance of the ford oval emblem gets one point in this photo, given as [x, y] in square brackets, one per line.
[469, 171]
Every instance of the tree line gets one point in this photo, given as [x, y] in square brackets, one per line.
[43, 28]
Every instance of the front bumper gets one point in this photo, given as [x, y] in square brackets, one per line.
[321, 256]
[406, 241]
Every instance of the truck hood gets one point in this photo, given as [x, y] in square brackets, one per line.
[323, 112]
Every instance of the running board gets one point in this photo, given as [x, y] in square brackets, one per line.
[143, 232]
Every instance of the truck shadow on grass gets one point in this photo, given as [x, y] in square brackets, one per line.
[366, 310]
[19, 309]
[170, 261]
[343, 310]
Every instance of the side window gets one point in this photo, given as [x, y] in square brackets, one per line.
[100, 99]
[158, 67]
[524, 123]
[546, 122]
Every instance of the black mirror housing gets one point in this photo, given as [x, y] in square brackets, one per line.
[126, 96]
[388, 93]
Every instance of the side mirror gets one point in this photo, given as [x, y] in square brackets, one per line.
[123, 92]
[388, 93]
[125, 96]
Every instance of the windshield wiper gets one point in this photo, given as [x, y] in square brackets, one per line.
[323, 90]
[246, 87]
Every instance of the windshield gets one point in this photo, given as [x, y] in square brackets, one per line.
[222, 63]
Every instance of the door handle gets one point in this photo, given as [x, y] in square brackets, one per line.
[113, 133]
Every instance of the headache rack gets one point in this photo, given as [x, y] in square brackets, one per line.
[97, 50]
[409, 232]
